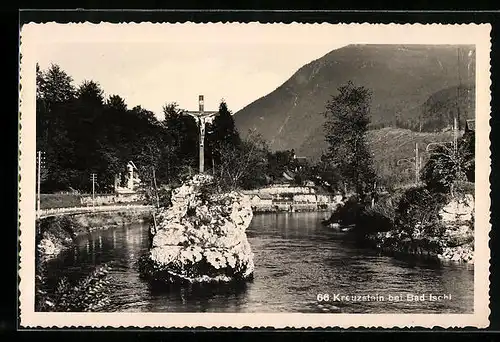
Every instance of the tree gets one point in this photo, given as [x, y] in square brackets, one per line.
[448, 165]
[116, 102]
[242, 166]
[40, 82]
[91, 92]
[54, 86]
[182, 131]
[223, 133]
[223, 128]
[278, 162]
[346, 127]
[55, 96]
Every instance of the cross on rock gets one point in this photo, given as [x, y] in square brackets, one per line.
[201, 117]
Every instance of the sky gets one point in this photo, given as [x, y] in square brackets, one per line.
[150, 65]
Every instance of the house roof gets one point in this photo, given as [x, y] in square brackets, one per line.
[263, 196]
[471, 124]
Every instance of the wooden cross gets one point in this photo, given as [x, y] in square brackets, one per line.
[201, 118]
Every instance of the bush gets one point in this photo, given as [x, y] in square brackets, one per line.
[380, 218]
[348, 213]
[57, 228]
[447, 166]
[417, 214]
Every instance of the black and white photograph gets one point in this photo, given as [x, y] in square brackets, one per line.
[291, 174]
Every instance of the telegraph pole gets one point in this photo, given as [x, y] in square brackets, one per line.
[39, 160]
[415, 161]
[417, 166]
[458, 88]
[202, 134]
[93, 178]
[455, 135]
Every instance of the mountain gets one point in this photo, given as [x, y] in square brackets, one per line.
[413, 86]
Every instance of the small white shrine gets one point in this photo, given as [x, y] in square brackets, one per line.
[132, 180]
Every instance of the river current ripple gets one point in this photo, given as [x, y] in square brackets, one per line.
[297, 262]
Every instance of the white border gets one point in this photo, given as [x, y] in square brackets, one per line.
[479, 35]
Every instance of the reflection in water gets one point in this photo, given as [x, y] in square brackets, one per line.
[296, 258]
[197, 297]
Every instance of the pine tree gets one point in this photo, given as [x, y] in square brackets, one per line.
[183, 136]
[223, 133]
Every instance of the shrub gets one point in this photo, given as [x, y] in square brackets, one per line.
[89, 294]
[379, 218]
[447, 166]
[417, 214]
[348, 213]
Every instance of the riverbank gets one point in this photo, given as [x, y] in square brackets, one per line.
[416, 222]
[294, 257]
[56, 233]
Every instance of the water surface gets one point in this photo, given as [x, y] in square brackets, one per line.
[296, 259]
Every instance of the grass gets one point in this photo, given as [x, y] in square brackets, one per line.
[49, 201]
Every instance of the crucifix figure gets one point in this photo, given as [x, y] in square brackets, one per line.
[202, 118]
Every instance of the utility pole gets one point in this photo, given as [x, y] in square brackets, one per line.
[417, 166]
[415, 161]
[459, 85]
[93, 178]
[39, 173]
[455, 136]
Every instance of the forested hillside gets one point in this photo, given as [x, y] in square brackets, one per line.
[413, 86]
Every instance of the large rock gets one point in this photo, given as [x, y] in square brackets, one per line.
[457, 217]
[458, 210]
[201, 236]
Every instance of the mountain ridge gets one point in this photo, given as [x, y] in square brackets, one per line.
[403, 79]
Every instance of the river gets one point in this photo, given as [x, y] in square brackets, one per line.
[296, 259]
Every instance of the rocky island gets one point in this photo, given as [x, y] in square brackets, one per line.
[200, 237]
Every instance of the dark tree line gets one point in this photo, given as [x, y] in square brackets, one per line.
[82, 132]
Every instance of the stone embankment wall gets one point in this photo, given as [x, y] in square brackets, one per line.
[291, 199]
[111, 199]
[282, 189]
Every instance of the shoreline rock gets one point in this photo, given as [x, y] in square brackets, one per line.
[455, 243]
[201, 237]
